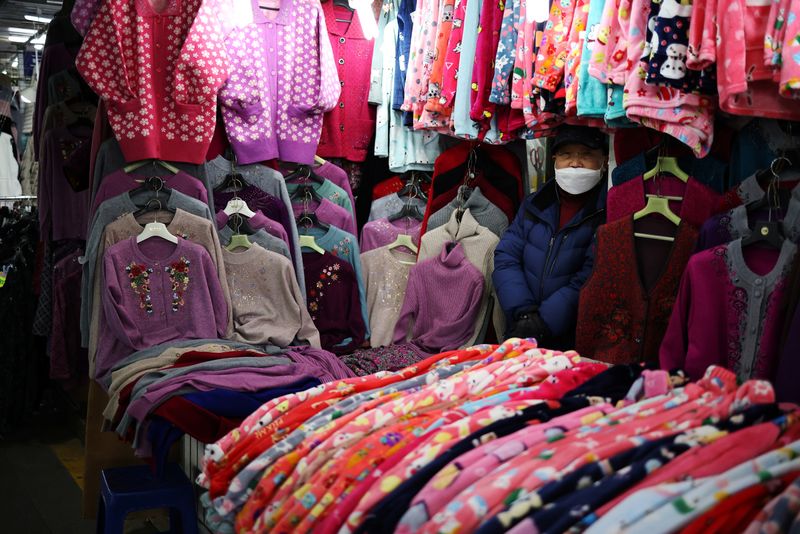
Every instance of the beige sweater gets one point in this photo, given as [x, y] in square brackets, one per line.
[385, 281]
[268, 307]
[182, 224]
[479, 244]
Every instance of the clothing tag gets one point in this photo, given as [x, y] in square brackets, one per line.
[757, 3]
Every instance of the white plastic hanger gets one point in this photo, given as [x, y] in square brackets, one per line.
[308, 241]
[237, 205]
[156, 229]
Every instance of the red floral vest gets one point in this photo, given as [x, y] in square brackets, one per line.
[618, 321]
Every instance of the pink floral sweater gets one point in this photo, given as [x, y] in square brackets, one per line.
[159, 65]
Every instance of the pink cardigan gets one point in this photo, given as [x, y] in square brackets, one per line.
[274, 101]
[160, 73]
[348, 128]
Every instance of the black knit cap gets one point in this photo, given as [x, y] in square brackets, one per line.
[582, 135]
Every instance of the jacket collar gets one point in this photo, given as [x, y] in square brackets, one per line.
[544, 203]
[458, 231]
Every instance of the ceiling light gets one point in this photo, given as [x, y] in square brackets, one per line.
[24, 31]
[40, 40]
[18, 38]
[38, 47]
[5, 72]
[34, 18]
[15, 63]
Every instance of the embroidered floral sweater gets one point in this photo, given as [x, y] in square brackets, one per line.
[274, 101]
[159, 70]
[157, 292]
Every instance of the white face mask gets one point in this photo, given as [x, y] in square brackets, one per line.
[578, 180]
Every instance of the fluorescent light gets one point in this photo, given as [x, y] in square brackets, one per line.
[34, 18]
[5, 72]
[39, 40]
[38, 47]
[24, 31]
[18, 38]
[15, 63]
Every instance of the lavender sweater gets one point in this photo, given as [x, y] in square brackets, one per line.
[157, 292]
[442, 301]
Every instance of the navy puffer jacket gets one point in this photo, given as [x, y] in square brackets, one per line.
[538, 266]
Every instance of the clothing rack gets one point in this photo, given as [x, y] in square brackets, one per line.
[19, 197]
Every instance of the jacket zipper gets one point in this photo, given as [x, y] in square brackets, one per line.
[555, 258]
[546, 260]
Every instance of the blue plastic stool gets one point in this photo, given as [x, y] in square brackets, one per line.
[127, 489]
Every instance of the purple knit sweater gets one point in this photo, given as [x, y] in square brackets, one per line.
[157, 292]
[442, 301]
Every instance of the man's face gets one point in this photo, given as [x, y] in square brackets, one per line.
[579, 156]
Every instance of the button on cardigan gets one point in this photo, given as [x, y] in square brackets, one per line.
[160, 72]
[273, 102]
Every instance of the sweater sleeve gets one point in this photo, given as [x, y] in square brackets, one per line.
[222, 313]
[120, 321]
[410, 309]
[202, 66]
[672, 354]
[702, 51]
[219, 263]
[241, 94]
[509, 280]
[102, 61]
[307, 332]
[319, 70]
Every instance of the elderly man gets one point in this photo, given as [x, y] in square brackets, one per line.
[546, 255]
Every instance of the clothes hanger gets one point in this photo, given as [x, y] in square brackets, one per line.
[404, 240]
[668, 165]
[657, 205]
[308, 241]
[769, 232]
[233, 180]
[156, 229]
[238, 240]
[304, 174]
[154, 185]
[237, 205]
[238, 222]
[139, 164]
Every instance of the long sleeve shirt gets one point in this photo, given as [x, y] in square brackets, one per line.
[748, 286]
[386, 277]
[268, 307]
[442, 300]
[156, 292]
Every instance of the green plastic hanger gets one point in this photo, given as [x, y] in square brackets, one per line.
[308, 241]
[659, 205]
[238, 241]
[666, 164]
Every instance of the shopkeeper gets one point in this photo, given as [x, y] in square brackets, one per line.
[546, 255]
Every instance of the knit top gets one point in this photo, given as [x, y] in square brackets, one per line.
[261, 238]
[327, 213]
[728, 311]
[119, 182]
[442, 300]
[268, 307]
[486, 213]
[156, 291]
[382, 232]
[333, 301]
[259, 221]
[385, 277]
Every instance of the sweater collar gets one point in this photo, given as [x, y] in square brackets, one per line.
[452, 254]
[467, 228]
[476, 201]
[353, 30]
[282, 17]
